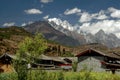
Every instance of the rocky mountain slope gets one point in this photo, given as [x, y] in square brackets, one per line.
[110, 40]
[101, 37]
[51, 34]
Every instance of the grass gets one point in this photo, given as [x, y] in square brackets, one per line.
[8, 76]
[91, 76]
[61, 75]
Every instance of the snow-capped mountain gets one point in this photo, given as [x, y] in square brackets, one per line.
[62, 24]
[50, 33]
[101, 37]
[66, 28]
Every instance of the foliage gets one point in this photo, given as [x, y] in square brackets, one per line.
[21, 69]
[34, 47]
[58, 75]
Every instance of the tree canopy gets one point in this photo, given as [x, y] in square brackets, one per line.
[34, 46]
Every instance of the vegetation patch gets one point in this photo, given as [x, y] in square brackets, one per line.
[61, 75]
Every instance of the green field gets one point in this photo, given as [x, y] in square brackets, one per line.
[42, 75]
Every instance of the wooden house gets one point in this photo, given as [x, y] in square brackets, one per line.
[95, 60]
[47, 62]
[5, 62]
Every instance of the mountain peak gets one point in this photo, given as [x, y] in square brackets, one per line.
[60, 31]
[51, 33]
[101, 32]
[59, 23]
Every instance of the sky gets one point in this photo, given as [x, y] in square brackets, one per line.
[87, 15]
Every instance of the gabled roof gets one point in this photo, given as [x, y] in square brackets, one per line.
[14, 57]
[8, 55]
[89, 51]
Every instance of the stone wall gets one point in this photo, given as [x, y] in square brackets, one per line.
[93, 63]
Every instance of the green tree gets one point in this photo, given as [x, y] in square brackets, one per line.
[34, 47]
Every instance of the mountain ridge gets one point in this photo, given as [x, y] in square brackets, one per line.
[50, 33]
[101, 37]
[17, 34]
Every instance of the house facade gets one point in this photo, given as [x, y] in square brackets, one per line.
[90, 63]
[92, 59]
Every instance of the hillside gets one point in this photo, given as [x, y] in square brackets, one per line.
[10, 37]
[8, 32]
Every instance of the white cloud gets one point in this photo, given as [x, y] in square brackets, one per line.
[85, 17]
[33, 11]
[115, 13]
[109, 26]
[111, 9]
[104, 19]
[101, 15]
[24, 24]
[46, 1]
[8, 24]
[46, 17]
[107, 20]
[72, 11]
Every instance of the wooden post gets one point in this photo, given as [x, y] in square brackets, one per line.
[113, 71]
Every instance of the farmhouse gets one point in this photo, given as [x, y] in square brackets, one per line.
[98, 61]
